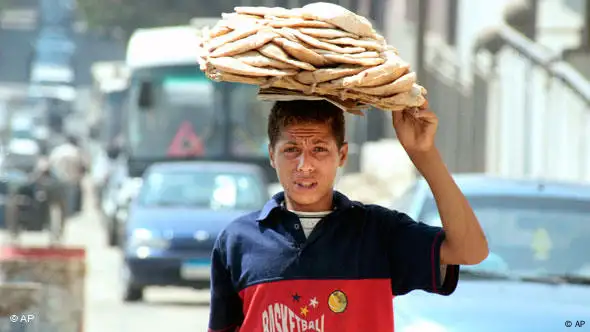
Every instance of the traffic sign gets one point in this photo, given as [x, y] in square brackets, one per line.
[186, 143]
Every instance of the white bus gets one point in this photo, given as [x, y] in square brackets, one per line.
[170, 99]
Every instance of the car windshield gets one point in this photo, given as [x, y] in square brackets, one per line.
[530, 236]
[202, 189]
[22, 134]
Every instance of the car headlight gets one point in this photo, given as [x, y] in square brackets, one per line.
[423, 326]
[142, 237]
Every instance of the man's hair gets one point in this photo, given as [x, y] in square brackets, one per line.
[286, 113]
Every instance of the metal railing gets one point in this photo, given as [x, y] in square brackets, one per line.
[521, 112]
[538, 110]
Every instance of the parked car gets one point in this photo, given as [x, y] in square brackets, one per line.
[22, 148]
[537, 275]
[125, 195]
[111, 198]
[176, 217]
[11, 181]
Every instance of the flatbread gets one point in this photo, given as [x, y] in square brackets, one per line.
[235, 66]
[221, 76]
[353, 42]
[402, 84]
[413, 98]
[231, 37]
[249, 43]
[298, 23]
[393, 68]
[326, 33]
[323, 45]
[254, 58]
[340, 17]
[274, 51]
[267, 11]
[343, 58]
[300, 52]
[327, 74]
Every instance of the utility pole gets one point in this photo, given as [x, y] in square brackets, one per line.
[586, 35]
[421, 40]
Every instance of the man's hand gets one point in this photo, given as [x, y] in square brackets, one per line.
[415, 131]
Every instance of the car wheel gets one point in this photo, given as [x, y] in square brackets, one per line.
[113, 236]
[131, 292]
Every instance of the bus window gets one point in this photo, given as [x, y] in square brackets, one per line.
[183, 95]
[249, 118]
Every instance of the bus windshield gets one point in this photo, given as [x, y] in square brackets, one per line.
[183, 108]
[187, 102]
[249, 118]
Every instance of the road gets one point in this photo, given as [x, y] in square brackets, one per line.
[164, 309]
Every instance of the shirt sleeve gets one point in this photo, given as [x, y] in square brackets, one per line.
[414, 255]
[226, 313]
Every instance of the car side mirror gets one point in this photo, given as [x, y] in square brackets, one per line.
[146, 95]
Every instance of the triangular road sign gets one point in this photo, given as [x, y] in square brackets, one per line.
[186, 143]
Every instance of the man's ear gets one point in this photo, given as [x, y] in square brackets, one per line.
[343, 154]
[271, 155]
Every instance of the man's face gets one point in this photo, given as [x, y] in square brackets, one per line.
[306, 158]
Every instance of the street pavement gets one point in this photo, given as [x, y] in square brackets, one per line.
[163, 310]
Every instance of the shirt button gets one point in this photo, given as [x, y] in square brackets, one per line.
[297, 226]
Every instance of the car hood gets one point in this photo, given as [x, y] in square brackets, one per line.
[493, 306]
[181, 220]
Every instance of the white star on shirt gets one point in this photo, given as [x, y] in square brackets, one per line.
[313, 302]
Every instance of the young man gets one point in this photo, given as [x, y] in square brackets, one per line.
[312, 260]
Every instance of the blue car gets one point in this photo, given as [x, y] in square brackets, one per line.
[174, 220]
[537, 275]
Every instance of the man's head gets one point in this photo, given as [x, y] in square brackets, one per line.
[306, 148]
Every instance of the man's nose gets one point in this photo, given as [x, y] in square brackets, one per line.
[305, 163]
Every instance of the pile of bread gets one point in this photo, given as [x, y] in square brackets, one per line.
[321, 49]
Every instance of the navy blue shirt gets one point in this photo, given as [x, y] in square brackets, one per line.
[267, 276]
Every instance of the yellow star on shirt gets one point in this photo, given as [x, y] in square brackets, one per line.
[314, 302]
[304, 311]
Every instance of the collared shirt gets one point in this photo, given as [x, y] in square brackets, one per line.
[268, 276]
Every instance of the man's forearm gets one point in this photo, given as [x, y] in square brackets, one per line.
[465, 241]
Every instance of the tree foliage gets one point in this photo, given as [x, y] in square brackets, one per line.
[129, 15]
[132, 14]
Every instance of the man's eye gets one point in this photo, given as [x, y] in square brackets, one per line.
[320, 149]
[290, 150]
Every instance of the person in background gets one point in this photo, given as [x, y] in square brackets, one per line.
[44, 178]
[69, 165]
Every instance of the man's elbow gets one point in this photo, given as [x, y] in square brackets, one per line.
[465, 254]
[476, 254]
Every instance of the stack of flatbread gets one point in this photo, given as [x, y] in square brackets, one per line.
[321, 50]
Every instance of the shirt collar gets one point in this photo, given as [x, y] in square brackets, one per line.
[340, 201]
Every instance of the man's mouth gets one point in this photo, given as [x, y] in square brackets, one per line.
[306, 184]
